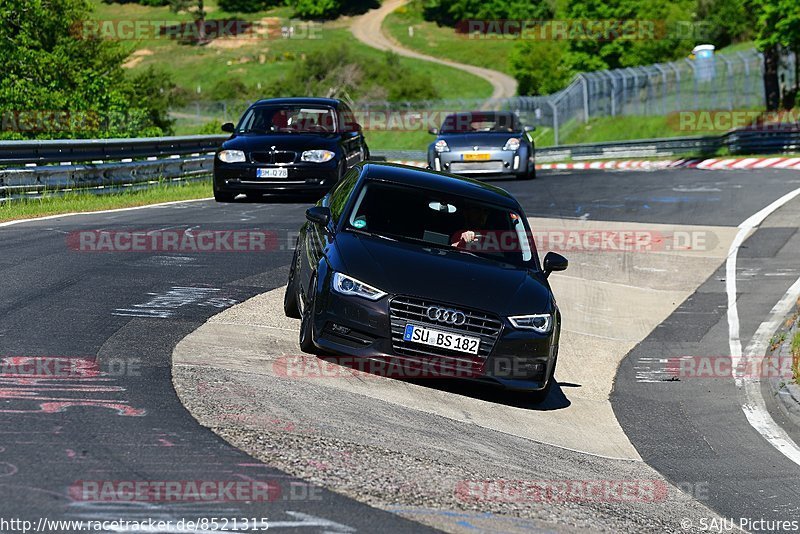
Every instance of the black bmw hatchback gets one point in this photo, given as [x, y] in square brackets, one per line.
[288, 145]
[428, 274]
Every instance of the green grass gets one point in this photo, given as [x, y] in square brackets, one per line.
[443, 42]
[86, 202]
[603, 129]
[261, 61]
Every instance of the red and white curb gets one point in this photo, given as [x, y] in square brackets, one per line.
[713, 164]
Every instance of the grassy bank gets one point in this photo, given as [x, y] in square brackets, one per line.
[441, 41]
[203, 72]
[86, 202]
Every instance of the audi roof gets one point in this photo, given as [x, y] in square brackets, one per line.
[438, 181]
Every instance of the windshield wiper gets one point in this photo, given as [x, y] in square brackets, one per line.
[371, 234]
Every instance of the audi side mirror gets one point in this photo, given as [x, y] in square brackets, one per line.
[528, 129]
[433, 131]
[319, 215]
[554, 262]
[228, 127]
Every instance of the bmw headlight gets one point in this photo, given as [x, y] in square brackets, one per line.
[317, 156]
[347, 285]
[441, 146]
[232, 156]
[541, 323]
[512, 144]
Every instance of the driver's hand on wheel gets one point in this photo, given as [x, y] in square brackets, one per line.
[466, 237]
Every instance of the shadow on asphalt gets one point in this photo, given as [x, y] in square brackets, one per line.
[556, 399]
[277, 199]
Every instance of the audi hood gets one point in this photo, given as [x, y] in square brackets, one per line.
[440, 274]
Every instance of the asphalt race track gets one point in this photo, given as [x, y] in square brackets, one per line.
[122, 314]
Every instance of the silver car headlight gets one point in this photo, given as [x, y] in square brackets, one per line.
[317, 156]
[441, 146]
[540, 322]
[347, 285]
[512, 144]
[232, 156]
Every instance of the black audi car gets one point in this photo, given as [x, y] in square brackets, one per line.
[288, 145]
[483, 143]
[426, 270]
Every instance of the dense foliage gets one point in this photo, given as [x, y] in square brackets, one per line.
[340, 73]
[544, 61]
[59, 82]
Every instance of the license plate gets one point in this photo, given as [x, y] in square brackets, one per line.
[477, 156]
[272, 173]
[438, 338]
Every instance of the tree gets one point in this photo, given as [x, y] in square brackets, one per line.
[53, 67]
[540, 67]
[777, 26]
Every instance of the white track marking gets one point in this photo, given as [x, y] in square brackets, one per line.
[116, 210]
[754, 407]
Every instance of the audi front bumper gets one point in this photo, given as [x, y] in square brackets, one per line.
[366, 332]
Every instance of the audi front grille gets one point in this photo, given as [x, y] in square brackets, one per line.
[404, 310]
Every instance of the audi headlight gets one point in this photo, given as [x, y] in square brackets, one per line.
[541, 323]
[232, 156]
[347, 285]
[317, 156]
[512, 144]
[441, 146]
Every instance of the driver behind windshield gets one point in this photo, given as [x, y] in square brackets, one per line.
[475, 218]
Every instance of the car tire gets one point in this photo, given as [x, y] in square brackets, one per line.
[530, 174]
[307, 324]
[221, 196]
[290, 307]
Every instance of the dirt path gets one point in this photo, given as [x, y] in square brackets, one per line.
[367, 29]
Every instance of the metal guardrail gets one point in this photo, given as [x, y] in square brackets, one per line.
[29, 167]
[643, 148]
[82, 150]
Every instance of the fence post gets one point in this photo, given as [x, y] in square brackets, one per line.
[613, 91]
[585, 85]
[729, 75]
[663, 88]
[694, 75]
[555, 121]
[677, 85]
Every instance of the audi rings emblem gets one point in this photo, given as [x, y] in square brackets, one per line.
[446, 315]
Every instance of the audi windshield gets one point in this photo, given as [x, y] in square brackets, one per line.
[441, 220]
